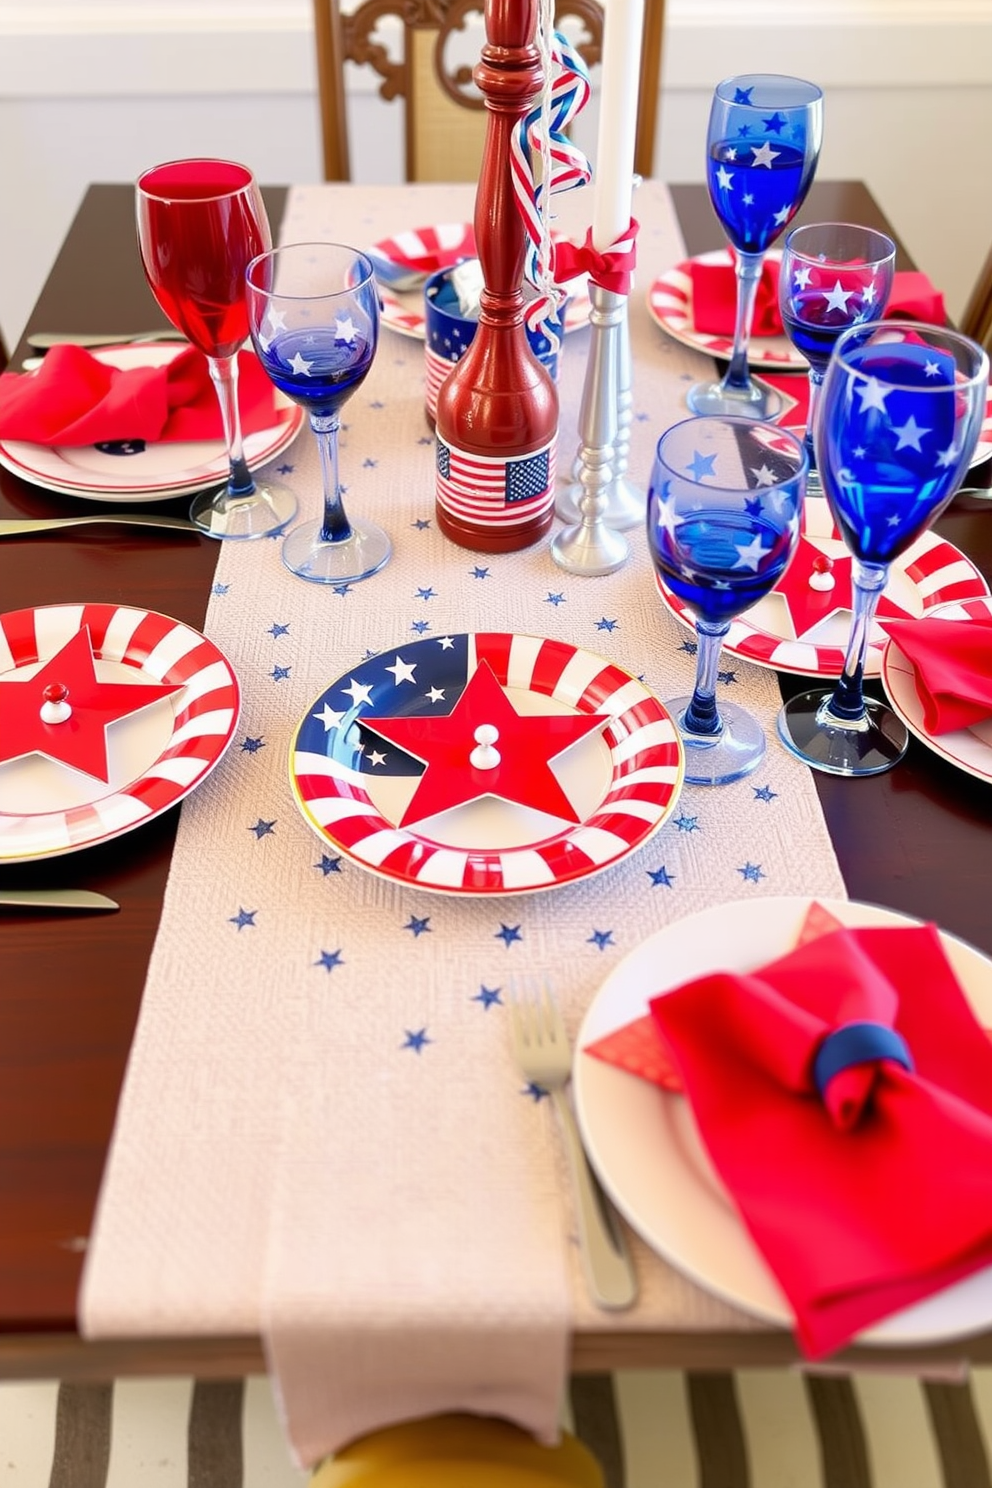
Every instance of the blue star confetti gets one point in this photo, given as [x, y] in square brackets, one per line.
[328, 864]
[420, 627]
[263, 828]
[418, 927]
[751, 872]
[764, 793]
[605, 624]
[341, 589]
[415, 1039]
[279, 674]
[480, 573]
[555, 599]
[420, 525]
[536, 1092]
[242, 918]
[661, 877]
[219, 588]
[252, 746]
[276, 630]
[508, 934]
[488, 996]
[329, 960]
[601, 938]
[687, 823]
[427, 593]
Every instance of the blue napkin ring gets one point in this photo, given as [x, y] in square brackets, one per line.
[857, 1043]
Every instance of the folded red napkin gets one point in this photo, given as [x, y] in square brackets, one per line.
[865, 1185]
[76, 399]
[952, 666]
[714, 299]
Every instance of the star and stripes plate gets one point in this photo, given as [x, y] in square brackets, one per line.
[133, 471]
[156, 755]
[427, 249]
[803, 631]
[622, 780]
[670, 304]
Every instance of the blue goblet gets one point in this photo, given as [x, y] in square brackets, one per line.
[833, 275]
[900, 414]
[313, 311]
[761, 151]
[723, 514]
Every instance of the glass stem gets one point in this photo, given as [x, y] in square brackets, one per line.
[747, 268]
[224, 375]
[335, 526]
[815, 384]
[701, 716]
[848, 700]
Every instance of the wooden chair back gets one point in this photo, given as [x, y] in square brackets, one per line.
[976, 321]
[444, 117]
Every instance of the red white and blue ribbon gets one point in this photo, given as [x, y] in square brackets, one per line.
[543, 161]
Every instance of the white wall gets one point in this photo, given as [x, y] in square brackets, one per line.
[97, 91]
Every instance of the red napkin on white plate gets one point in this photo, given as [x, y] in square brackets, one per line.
[878, 1193]
[952, 669]
[714, 299]
[75, 399]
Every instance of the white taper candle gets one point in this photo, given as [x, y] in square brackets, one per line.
[623, 26]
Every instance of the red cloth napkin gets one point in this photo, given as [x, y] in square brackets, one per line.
[714, 299]
[76, 399]
[952, 665]
[880, 1193]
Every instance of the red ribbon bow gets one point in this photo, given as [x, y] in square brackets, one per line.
[612, 269]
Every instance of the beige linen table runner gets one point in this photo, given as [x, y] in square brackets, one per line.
[322, 1135]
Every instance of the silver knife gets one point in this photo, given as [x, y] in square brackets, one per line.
[45, 340]
[56, 899]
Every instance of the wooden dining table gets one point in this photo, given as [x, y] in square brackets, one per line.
[918, 839]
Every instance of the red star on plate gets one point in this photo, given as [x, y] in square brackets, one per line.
[808, 606]
[81, 741]
[525, 744]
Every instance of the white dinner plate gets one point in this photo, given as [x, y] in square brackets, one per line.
[143, 472]
[646, 1149]
[971, 748]
[670, 304]
[440, 247]
[353, 788]
[810, 641]
[156, 756]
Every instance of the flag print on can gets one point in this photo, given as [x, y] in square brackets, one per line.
[353, 786]
[502, 492]
[156, 756]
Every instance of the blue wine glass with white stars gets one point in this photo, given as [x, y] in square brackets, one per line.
[762, 147]
[313, 311]
[900, 413]
[723, 520]
[833, 275]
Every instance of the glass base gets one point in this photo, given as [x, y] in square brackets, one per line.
[716, 399]
[717, 759]
[868, 747]
[356, 557]
[262, 513]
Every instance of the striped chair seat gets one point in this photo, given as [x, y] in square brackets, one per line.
[648, 1428]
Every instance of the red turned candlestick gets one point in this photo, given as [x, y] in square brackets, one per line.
[497, 412]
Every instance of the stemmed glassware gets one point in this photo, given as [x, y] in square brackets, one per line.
[900, 414]
[833, 275]
[313, 309]
[200, 223]
[723, 519]
[762, 147]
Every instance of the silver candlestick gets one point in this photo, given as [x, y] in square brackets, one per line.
[625, 503]
[590, 546]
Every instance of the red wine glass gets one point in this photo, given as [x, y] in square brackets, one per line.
[200, 223]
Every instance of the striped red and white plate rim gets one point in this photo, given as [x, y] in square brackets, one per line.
[160, 649]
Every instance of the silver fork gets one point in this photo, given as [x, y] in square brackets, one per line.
[541, 1048]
